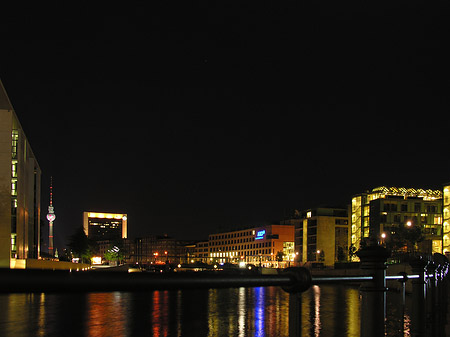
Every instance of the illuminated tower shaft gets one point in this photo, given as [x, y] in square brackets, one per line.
[50, 217]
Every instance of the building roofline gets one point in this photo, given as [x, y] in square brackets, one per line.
[404, 191]
[5, 104]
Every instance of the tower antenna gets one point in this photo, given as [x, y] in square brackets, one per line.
[51, 218]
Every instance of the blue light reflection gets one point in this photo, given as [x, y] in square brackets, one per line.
[259, 311]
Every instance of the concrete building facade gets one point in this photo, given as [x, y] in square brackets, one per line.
[20, 190]
[202, 251]
[322, 236]
[267, 246]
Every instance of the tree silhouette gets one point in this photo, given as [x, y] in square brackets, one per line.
[81, 246]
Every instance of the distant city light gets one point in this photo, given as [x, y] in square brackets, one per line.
[96, 260]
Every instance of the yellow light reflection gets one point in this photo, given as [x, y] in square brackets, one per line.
[41, 320]
[213, 322]
[353, 309]
[241, 312]
[317, 325]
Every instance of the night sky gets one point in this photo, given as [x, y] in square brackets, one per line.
[197, 118]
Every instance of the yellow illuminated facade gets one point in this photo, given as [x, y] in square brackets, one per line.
[20, 183]
[384, 208]
[105, 226]
[446, 220]
[322, 236]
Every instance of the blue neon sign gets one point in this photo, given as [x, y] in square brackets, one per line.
[260, 235]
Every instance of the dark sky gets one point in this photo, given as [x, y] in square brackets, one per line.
[194, 118]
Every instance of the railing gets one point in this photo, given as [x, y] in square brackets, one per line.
[428, 278]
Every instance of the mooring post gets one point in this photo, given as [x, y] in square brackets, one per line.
[432, 299]
[302, 282]
[373, 294]
[442, 293]
[418, 312]
[439, 308]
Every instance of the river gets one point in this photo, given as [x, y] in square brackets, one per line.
[327, 311]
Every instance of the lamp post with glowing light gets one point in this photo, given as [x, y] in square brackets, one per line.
[383, 237]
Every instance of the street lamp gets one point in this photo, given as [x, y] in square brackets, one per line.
[383, 237]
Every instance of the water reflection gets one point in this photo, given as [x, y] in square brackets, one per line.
[316, 292]
[244, 312]
[259, 312]
[41, 315]
[105, 315]
[241, 312]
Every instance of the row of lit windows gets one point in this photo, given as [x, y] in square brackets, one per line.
[404, 207]
[232, 235]
[397, 218]
[230, 242]
[14, 186]
[247, 246]
[105, 224]
[243, 254]
[15, 141]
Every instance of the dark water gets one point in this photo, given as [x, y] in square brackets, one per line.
[326, 311]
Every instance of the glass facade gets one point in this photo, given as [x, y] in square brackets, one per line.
[446, 220]
[385, 208]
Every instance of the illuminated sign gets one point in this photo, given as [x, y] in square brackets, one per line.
[260, 235]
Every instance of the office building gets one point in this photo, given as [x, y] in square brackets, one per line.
[446, 221]
[105, 226]
[267, 246]
[378, 213]
[202, 252]
[20, 190]
[322, 236]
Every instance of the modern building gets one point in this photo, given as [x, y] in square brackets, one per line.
[151, 250]
[268, 246]
[378, 213]
[202, 252]
[446, 220]
[20, 190]
[105, 226]
[322, 236]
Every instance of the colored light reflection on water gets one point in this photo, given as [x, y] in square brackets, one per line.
[259, 311]
[325, 311]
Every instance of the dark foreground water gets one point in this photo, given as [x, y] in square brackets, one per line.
[326, 311]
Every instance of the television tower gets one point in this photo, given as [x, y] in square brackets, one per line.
[50, 217]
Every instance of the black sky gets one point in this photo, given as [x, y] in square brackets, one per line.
[194, 118]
